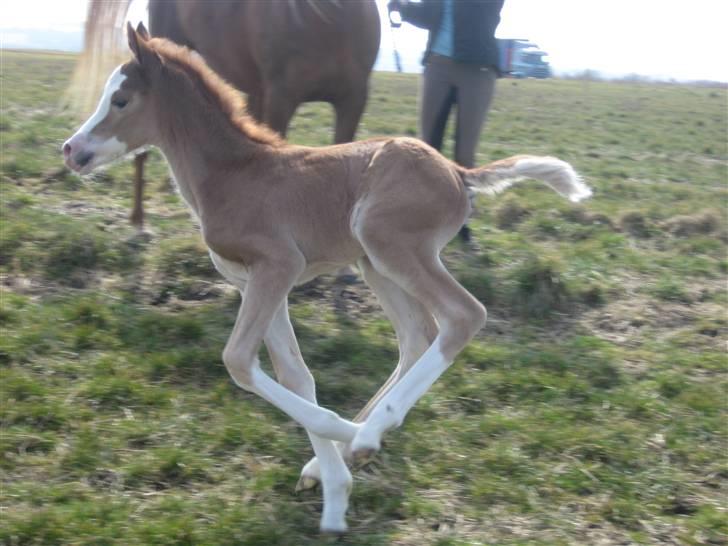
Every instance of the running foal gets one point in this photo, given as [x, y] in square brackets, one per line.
[275, 215]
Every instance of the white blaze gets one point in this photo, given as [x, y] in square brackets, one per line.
[110, 148]
[113, 84]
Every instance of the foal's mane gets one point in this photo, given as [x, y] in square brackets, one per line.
[226, 97]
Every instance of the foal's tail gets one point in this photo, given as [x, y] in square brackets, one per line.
[499, 175]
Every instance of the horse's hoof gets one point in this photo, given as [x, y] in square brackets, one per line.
[305, 483]
[366, 443]
[363, 455]
[142, 236]
[347, 279]
[334, 528]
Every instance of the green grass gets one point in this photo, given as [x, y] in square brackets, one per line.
[591, 410]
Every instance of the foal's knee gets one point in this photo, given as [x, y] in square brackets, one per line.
[478, 318]
[462, 326]
[240, 367]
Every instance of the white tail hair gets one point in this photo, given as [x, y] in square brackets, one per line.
[499, 175]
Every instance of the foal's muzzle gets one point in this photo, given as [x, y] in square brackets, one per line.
[75, 155]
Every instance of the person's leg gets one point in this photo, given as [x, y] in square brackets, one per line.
[475, 93]
[438, 96]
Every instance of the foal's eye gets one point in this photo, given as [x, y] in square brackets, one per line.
[119, 103]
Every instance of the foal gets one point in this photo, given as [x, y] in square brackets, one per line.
[274, 215]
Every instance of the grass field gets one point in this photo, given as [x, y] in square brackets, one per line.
[590, 411]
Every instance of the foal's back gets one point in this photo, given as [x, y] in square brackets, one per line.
[323, 199]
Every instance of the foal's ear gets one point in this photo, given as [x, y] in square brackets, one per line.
[142, 31]
[137, 43]
[133, 38]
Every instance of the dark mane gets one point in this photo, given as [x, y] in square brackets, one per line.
[227, 98]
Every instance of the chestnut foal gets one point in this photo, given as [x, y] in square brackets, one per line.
[274, 215]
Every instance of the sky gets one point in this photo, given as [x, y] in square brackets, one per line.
[680, 39]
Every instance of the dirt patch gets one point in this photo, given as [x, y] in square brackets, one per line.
[625, 322]
[510, 214]
[699, 224]
[635, 224]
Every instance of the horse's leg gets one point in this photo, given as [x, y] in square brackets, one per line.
[137, 213]
[266, 290]
[255, 105]
[348, 113]
[293, 374]
[415, 329]
[419, 271]
[278, 108]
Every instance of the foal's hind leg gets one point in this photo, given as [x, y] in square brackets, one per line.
[413, 324]
[293, 374]
[459, 316]
[415, 329]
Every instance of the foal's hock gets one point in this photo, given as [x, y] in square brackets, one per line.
[274, 215]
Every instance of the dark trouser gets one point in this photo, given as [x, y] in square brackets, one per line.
[446, 83]
[471, 87]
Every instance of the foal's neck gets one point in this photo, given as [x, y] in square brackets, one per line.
[201, 143]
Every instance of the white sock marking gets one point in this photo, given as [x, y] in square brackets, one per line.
[392, 409]
[334, 476]
[320, 421]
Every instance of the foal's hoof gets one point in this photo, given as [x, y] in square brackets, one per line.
[363, 455]
[366, 443]
[347, 279]
[333, 529]
[305, 483]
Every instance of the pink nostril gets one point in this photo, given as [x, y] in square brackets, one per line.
[66, 150]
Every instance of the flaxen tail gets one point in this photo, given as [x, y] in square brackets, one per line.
[499, 175]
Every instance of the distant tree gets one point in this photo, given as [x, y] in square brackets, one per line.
[635, 78]
[590, 75]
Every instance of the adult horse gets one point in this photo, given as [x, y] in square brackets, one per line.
[281, 53]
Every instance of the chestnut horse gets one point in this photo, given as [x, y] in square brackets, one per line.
[274, 215]
[280, 52]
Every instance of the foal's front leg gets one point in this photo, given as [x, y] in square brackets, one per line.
[267, 287]
[292, 373]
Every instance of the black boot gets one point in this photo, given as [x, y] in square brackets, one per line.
[465, 234]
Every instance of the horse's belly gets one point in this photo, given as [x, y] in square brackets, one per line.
[321, 268]
[235, 273]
